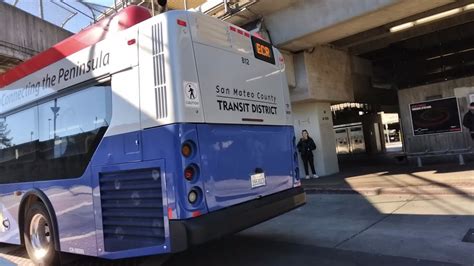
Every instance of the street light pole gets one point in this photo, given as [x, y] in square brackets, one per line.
[55, 110]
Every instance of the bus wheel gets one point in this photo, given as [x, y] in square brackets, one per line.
[39, 236]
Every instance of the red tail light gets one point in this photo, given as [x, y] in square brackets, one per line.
[189, 173]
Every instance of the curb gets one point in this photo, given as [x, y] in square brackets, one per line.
[390, 191]
[339, 191]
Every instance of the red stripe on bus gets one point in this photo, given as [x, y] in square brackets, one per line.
[91, 35]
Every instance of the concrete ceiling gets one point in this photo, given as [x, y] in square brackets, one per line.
[426, 56]
[349, 22]
[427, 53]
[381, 37]
[180, 4]
[297, 25]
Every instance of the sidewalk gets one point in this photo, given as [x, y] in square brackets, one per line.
[397, 179]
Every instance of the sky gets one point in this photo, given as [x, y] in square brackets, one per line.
[58, 11]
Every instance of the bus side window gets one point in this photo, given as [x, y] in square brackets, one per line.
[69, 125]
[56, 139]
[18, 145]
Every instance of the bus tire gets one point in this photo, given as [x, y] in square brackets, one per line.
[39, 236]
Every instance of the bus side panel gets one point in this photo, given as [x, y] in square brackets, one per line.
[75, 214]
[10, 205]
[72, 204]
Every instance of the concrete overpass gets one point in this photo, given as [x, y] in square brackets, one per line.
[354, 51]
[23, 35]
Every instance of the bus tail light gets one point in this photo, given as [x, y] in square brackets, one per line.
[193, 195]
[189, 173]
[187, 149]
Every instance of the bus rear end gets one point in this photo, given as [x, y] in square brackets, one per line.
[247, 137]
[223, 93]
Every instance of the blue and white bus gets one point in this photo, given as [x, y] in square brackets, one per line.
[145, 135]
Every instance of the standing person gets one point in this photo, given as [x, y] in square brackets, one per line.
[468, 120]
[305, 147]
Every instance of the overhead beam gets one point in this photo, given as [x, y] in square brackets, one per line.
[308, 23]
[384, 30]
[431, 45]
[384, 40]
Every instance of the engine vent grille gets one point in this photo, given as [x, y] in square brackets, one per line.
[132, 209]
[159, 71]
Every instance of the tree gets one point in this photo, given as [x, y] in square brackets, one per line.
[5, 141]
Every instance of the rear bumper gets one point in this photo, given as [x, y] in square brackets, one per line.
[216, 224]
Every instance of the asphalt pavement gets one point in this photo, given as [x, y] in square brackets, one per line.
[367, 215]
[332, 229]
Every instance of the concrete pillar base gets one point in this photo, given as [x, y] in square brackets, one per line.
[317, 119]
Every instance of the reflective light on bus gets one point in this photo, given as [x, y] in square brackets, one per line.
[239, 31]
[181, 23]
[131, 42]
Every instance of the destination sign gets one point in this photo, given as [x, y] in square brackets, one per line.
[263, 50]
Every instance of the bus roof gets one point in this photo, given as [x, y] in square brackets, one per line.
[124, 19]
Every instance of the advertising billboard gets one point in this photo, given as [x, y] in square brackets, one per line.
[436, 116]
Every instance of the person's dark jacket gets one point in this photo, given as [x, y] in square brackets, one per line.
[468, 121]
[306, 146]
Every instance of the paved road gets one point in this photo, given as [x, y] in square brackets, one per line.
[335, 230]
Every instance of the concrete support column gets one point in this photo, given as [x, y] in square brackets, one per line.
[23, 35]
[317, 119]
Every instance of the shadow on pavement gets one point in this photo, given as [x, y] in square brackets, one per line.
[255, 250]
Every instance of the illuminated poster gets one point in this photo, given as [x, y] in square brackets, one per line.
[437, 116]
